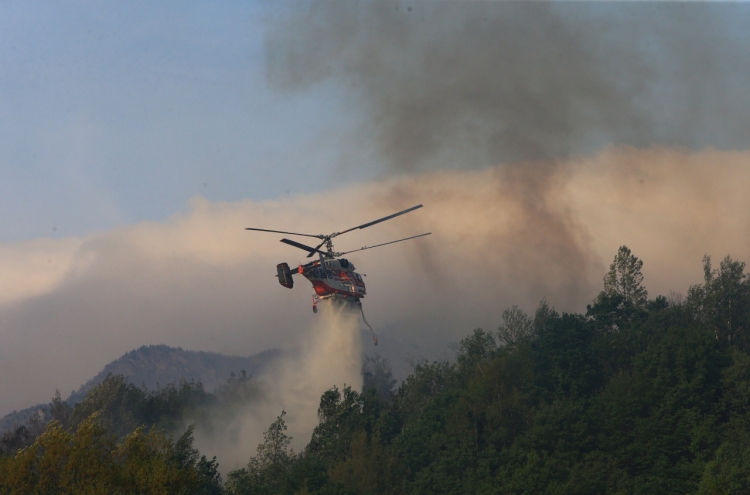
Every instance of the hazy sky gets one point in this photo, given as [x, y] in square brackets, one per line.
[114, 113]
[138, 139]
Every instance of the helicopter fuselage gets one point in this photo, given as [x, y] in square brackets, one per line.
[334, 278]
[329, 277]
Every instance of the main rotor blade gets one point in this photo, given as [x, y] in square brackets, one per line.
[282, 232]
[384, 244]
[316, 249]
[369, 224]
[301, 246]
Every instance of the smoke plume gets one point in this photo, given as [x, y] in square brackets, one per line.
[450, 84]
[520, 89]
[326, 354]
[201, 282]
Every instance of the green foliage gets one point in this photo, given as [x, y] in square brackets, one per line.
[723, 301]
[370, 467]
[729, 472]
[340, 414]
[21, 436]
[625, 278]
[517, 326]
[144, 460]
[475, 350]
[624, 301]
[90, 460]
[124, 407]
[119, 404]
[636, 397]
[267, 470]
[274, 455]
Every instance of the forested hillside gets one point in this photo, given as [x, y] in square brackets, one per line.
[638, 395]
[120, 439]
[157, 366]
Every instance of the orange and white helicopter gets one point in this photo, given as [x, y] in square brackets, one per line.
[331, 276]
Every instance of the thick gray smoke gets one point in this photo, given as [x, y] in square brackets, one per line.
[524, 86]
[457, 84]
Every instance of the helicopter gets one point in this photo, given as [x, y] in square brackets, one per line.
[332, 276]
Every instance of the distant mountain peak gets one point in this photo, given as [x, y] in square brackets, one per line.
[156, 366]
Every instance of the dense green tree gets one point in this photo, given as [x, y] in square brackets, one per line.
[91, 460]
[516, 326]
[729, 472]
[624, 301]
[475, 350]
[625, 279]
[124, 407]
[19, 437]
[723, 301]
[120, 406]
[371, 468]
[274, 456]
[543, 315]
[267, 471]
[23, 435]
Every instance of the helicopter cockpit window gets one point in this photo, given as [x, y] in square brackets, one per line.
[344, 263]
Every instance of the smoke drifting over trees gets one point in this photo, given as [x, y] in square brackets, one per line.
[201, 282]
[521, 86]
[635, 395]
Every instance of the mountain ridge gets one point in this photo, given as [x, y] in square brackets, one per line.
[156, 366]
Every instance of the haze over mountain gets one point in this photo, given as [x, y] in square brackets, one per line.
[200, 281]
[155, 366]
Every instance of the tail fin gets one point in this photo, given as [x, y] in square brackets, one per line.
[285, 275]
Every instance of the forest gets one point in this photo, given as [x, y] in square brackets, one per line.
[637, 395]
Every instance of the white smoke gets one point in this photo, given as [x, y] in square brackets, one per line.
[330, 355]
[327, 355]
[200, 281]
